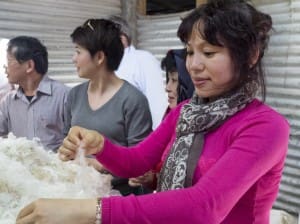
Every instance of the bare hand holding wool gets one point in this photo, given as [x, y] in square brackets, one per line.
[29, 172]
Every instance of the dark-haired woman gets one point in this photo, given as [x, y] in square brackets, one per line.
[105, 103]
[179, 87]
[229, 148]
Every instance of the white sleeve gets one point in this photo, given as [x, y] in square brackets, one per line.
[153, 86]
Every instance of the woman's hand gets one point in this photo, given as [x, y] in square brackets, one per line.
[57, 211]
[91, 141]
[145, 180]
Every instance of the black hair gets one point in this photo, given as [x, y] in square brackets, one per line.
[101, 35]
[237, 25]
[25, 48]
[168, 64]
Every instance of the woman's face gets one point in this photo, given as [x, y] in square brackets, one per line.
[83, 61]
[171, 88]
[210, 67]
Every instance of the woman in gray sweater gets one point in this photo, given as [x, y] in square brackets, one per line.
[105, 103]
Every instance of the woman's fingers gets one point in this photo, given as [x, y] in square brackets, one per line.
[91, 141]
[134, 182]
[67, 150]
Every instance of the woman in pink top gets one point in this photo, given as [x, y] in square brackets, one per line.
[229, 148]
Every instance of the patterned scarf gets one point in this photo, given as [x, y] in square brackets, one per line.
[198, 117]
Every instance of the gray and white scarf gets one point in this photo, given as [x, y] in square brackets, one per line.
[197, 118]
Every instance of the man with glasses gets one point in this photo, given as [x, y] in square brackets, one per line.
[36, 108]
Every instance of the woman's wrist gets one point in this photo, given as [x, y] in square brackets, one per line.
[98, 211]
[101, 144]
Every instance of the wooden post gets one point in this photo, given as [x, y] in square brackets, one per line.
[142, 7]
[129, 12]
[200, 2]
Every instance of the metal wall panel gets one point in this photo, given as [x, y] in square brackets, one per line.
[52, 22]
[158, 34]
[283, 89]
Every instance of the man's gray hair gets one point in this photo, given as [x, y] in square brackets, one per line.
[124, 26]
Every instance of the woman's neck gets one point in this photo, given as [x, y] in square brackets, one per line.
[100, 91]
[103, 82]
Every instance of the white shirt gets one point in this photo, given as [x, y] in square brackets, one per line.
[142, 69]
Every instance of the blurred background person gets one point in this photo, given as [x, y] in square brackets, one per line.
[179, 87]
[36, 108]
[141, 69]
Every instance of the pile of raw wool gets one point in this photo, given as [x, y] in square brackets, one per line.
[29, 172]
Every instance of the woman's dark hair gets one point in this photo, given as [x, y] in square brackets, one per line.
[168, 64]
[101, 35]
[174, 61]
[237, 25]
[26, 48]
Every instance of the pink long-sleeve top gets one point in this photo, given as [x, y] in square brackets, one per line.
[235, 182]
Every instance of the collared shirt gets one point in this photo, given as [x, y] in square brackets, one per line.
[142, 69]
[42, 117]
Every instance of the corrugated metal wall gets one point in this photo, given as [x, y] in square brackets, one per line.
[158, 34]
[52, 22]
[283, 93]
